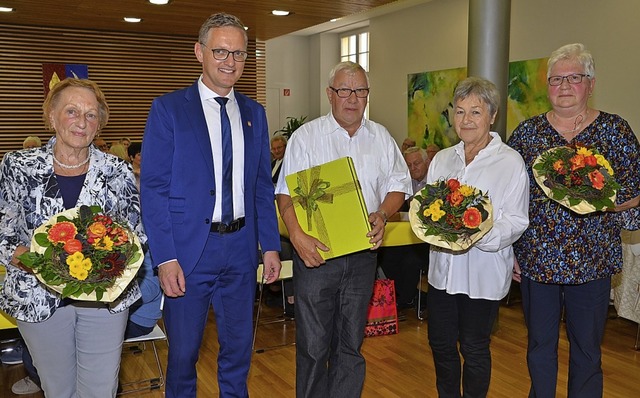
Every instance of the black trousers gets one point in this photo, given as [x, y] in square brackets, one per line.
[403, 264]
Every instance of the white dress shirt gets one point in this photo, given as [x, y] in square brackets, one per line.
[485, 270]
[211, 110]
[377, 159]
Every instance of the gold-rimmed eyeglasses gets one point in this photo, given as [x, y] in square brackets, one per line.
[346, 92]
[221, 54]
[574, 78]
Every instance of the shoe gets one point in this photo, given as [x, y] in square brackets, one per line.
[12, 355]
[25, 386]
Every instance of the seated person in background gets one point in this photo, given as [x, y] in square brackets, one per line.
[407, 143]
[120, 151]
[124, 142]
[432, 149]
[101, 144]
[135, 157]
[31, 142]
[278, 146]
[403, 263]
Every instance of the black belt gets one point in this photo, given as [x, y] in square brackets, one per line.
[223, 228]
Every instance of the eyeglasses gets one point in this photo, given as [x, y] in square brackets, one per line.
[575, 78]
[346, 92]
[221, 54]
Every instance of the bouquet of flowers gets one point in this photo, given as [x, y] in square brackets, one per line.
[577, 177]
[450, 215]
[84, 254]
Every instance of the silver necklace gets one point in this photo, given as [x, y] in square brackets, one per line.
[71, 167]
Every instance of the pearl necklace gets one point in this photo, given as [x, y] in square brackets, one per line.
[71, 167]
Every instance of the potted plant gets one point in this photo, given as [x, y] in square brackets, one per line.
[292, 125]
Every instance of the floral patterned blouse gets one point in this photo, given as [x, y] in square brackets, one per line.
[564, 247]
[30, 195]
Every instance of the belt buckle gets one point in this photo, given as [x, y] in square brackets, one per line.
[222, 228]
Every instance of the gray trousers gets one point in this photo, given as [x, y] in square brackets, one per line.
[331, 313]
[77, 351]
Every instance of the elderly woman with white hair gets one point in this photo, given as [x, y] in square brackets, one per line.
[465, 287]
[566, 259]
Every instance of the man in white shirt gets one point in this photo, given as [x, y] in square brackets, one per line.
[332, 298]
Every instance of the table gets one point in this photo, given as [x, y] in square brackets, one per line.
[626, 285]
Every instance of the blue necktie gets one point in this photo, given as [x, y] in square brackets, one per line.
[227, 163]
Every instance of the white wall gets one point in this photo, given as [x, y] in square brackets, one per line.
[433, 36]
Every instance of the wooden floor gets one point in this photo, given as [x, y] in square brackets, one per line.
[397, 366]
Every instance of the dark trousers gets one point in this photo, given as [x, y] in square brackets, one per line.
[331, 313]
[224, 277]
[454, 318]
[585, 308]
[403, 265]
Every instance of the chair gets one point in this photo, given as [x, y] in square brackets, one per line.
[286, 272]
[136, 346]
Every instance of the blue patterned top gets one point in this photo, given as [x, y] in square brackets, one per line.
[561, 246]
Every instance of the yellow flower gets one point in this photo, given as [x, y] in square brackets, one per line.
[76, 268]
[75, 259]
[80, 275]
[86, 264]
[434, 210]
[465, 190]
[584, 151]
[104, 243]
[604, 163]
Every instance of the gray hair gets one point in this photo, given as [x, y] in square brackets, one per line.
[220, 20]
[482, 88]
[279, 138]
[348, 67]
[573, 52]
[415, 149]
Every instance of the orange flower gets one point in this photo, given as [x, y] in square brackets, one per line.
[62, 232]
[72, 246]
[455, 198]
[119, 236]
[577, 162]
[453, 184]
[559, 167]
[472, 218]
[96, 230]
[597, 179]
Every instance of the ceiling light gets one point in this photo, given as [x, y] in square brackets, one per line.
[6, 9]
[132, 19]
[280, 13]
[159, 2]
[334, 20]
[246, 28]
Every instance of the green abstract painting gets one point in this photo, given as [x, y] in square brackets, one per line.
[430, 96]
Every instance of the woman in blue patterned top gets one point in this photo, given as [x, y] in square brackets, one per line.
[76, 346]
[566, 260]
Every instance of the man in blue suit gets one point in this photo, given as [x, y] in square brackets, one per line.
[208, 201]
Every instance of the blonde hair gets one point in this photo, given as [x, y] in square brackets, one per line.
[32, 139]
[54, 96]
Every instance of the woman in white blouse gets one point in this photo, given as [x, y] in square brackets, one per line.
[466, 287]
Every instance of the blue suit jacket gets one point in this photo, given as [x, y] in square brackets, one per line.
[178, 189]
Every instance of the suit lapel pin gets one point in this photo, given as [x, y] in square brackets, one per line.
[249, 123]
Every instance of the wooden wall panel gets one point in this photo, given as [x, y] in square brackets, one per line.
[132, 69]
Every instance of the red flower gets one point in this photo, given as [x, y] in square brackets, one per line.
[72, 246]
[114, 265]
[453, 184]
[591, 161]
[62, 232]
[597, 179]
[472, 218]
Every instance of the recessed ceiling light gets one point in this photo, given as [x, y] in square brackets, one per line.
[159, 2]
[132, 19]
[334, 20]
[246, 28]
[6, 9]
[280, 13]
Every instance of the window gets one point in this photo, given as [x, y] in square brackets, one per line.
[354, 46]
